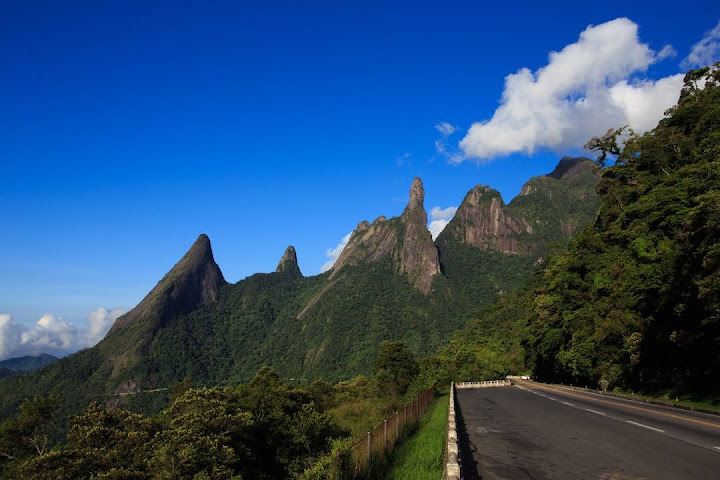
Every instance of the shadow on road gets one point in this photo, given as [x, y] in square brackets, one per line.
[468, 463]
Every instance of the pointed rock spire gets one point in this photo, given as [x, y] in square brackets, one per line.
[195, 280]
[405, 239]
[417, 196]
[288, 263]
[418, 256]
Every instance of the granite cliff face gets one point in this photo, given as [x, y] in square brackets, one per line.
[549, 208]
[482, 221]
[405, 239]
[288, 263]
[194, 281]
[418, 258]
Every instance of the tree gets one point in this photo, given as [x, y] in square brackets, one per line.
[31, 433]
[396, 366]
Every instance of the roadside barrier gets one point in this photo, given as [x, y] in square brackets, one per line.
[452, 450]
[485, 384]
[452, 469]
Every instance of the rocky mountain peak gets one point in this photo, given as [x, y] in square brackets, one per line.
[288, 263]
[195, 280]
[570, 166]
[483, 222]
[404, 239]
[417, 196]
[549, 208]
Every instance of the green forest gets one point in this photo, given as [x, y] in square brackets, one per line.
[262, 429]
[633, 300]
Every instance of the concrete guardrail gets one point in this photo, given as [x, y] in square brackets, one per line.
[452, 450]
[452, 470]
[489, 383]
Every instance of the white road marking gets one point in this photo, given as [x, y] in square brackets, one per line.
[716, 448]
[595, 411]
[645, 426]
[569, 404]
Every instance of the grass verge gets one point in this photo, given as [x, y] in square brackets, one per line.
[420, 456]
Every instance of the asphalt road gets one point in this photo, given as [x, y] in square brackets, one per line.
[533, 431]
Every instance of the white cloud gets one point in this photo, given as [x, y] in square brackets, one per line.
[405, 158]
[100, 321]
[441, 144]
[437, 213]
[9, 335]
[52, 334]
[704, 52]
[440, 217]
[586, 88]
[334, 253]
[445, 128]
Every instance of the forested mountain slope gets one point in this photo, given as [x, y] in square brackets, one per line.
[390, 283]
[634, 300]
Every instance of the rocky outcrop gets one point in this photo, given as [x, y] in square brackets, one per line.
[418, 257]
[194, 281]
[404, 239]
[571, 166]
[483, 222]
[549, 208]
[288, 263]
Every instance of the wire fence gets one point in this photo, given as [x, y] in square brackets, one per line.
[380, 442]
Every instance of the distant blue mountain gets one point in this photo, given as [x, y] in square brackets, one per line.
[27, 363]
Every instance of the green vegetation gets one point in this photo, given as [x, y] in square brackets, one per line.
[420, 457]
[265, 429]
[27, 363]
[633, 301]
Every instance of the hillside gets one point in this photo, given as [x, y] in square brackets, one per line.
[633, 302]
[28, 362]
[390, 283]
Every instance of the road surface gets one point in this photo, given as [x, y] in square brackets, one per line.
[535, 431]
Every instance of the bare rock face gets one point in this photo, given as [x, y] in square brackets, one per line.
[549, 208]
[405, 239]
[288, 263]
[483, 222]
[571, 166]
[195, 280]
[418, 256]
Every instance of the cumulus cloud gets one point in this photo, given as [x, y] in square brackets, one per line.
[52, 334]
[586, 88]
[9, 335]
[334, 253]
[704, 52]
[100, 321]
[440, 217]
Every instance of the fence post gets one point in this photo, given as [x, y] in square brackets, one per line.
[385, 437]
[397, 422]
[368, 451]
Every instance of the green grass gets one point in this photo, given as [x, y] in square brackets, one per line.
[362, 415]
[421, 455]
[668, 397]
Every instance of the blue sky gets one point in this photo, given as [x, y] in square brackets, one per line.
[128, 128]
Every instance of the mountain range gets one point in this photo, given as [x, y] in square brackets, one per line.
[391, 282]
